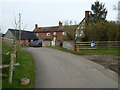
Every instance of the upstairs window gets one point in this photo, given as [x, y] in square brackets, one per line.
[37, 34]
[64, 33]
[48, 34]
[54, 33]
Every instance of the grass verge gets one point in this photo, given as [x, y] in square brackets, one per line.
[89, 52]
[26, 69]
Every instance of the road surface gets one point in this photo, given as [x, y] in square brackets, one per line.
[57, 69]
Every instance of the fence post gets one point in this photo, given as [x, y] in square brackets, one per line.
[11, 68]
[77, 48]
[14, 55]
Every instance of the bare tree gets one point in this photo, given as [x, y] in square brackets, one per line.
[17, 23]
[119, 12]
[118, 9]
[69, 22]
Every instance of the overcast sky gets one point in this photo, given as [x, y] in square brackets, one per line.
[48, 12]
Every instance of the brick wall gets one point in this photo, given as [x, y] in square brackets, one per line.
[59, 36]
[44, 35]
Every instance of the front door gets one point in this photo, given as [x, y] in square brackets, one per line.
[53, 43]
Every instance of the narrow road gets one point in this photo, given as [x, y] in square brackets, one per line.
[57, 69]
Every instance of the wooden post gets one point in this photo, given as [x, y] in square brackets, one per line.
[78, 48]
[14, 56]
[11, 68]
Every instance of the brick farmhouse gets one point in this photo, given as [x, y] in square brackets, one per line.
[55, 33]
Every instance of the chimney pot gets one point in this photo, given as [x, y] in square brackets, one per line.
[60, 24]
[36, 26]
[87, 14]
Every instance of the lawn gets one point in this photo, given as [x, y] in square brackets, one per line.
[89, 52]
[26, 69]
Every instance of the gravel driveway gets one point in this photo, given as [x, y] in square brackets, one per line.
[57, 69]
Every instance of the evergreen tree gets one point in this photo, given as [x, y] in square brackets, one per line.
[98, 11]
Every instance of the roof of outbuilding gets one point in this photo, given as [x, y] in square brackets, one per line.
[25, 35]
[3, 35]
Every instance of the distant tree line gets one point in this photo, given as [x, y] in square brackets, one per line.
[102, 31]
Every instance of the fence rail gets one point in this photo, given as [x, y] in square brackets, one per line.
[6, 66]
[99, 45]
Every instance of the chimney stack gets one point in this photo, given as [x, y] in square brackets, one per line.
[87, 13]
[36, 26]
[60, 24]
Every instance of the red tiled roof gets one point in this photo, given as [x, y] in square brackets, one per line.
[49, 29]
[56, 28]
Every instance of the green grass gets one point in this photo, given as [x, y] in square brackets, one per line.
[0, 83]
[26, 69]
[89, 52]
[6, 48]
[100, 51]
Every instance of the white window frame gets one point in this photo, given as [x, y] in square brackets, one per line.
[48, 34]
[37, 34]
[54, 33]
[64, 33]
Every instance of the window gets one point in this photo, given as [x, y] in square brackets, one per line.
[64, 33]
[48, 34]
[82, 27]
[54, 33]
[78, 28]
[37, 34]
[81, 33]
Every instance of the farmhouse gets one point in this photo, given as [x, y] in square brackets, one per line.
[53, 33]
[56, 33]
[81, 27]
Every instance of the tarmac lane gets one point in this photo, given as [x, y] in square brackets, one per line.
[58, 69]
